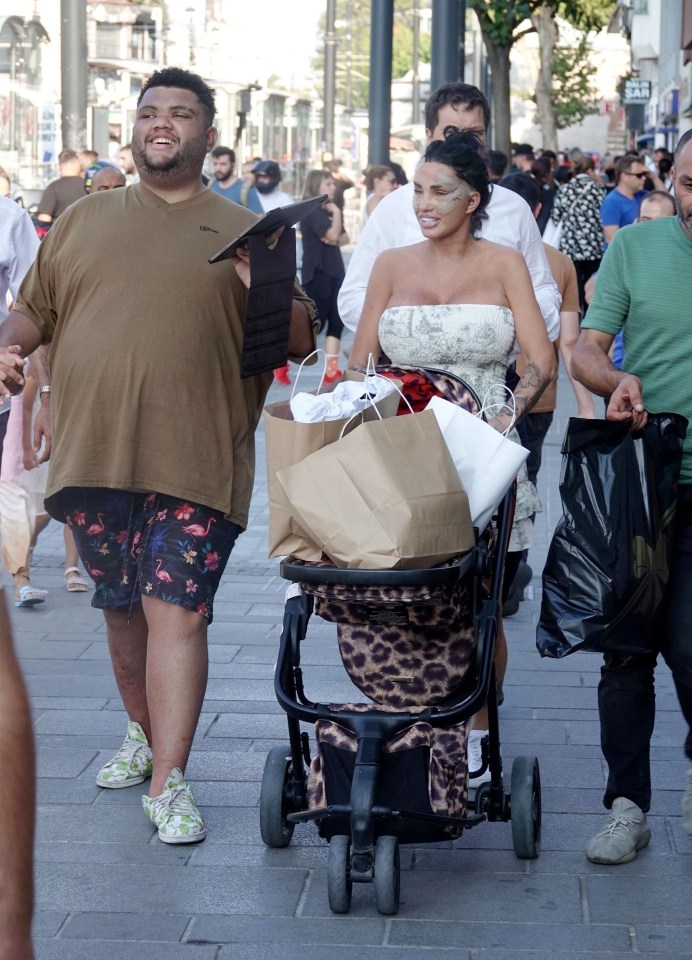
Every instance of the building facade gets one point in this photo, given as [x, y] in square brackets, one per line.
[660, 35]
[125, 42]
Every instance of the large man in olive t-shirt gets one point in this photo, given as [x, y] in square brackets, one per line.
[644, 288]
[153, 428]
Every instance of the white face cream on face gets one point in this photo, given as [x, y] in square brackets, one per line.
[437, 190]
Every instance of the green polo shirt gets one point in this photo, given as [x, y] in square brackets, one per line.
[645, 286]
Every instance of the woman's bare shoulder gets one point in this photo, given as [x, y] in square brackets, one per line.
[393, 258]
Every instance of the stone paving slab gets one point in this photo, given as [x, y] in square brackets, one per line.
[106, 887]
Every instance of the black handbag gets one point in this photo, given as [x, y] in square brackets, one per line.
[608, 562]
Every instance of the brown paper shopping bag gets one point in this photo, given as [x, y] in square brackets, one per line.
[385, 496]
[289, 442]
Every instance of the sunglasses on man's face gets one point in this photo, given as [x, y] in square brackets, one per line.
[639, 176]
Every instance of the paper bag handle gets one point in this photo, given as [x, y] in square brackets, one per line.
[371, 371]
[314, 353]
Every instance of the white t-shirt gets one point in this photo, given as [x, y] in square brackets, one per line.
[393, 224]
[277, 198]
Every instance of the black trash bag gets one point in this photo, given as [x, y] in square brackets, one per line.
[608, 561]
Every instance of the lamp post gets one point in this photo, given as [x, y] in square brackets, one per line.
[444, 55]
[329, 78]
[73, 72]
[415, 83]
[381, 26]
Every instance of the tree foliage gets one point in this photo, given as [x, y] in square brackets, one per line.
[503, 22]
[587, 14]
[574, 93]
[567, 70]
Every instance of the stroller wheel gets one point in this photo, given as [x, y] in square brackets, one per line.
[525, 802]
[387, 875]
[339, 885]
[275, 829]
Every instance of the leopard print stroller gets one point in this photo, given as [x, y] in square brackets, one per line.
[419, 644]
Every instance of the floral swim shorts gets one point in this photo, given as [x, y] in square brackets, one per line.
[150, 544]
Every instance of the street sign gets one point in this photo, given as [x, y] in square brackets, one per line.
[48, 134]
[635, 90]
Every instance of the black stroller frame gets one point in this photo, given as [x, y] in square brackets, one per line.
[364, 842]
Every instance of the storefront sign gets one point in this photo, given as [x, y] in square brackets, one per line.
[635, 90]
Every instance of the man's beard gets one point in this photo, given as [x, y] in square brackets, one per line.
[188, 159]
[223, 175]
[685, 222]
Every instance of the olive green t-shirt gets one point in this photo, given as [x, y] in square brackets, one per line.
[146, 338]
[645, 288]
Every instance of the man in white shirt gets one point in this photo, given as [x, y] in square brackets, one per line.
[453, 106]
[267, 179]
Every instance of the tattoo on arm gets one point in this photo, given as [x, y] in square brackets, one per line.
[529, 390]
[526, 395]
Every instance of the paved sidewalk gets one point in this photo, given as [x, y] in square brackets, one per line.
[107, 888]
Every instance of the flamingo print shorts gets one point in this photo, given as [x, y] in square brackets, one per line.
[135, 544]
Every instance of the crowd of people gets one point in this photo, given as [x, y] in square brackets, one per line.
[450, 270]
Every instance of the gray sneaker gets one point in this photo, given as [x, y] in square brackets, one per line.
[687, 806]
[625, 833]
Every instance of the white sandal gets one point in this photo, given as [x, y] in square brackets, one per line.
[74, 581]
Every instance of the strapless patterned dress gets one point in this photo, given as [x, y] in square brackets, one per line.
[474, 342]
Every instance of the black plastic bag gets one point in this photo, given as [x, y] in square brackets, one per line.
[608, 561]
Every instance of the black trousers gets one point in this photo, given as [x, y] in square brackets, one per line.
[626, 697]
[324, 290]
[585, 269]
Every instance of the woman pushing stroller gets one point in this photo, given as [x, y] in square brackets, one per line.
[457, 302]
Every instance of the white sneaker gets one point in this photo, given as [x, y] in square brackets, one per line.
[132, 763]
[175, 812]
[475, 758]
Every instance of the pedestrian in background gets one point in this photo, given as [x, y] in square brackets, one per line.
[621, 206]
[18, 246]
[342, 182]
[542, 172]
[380, 180]
[228, 185]
[61, 193]
[577, 206]
[323, 268]
[497, 165]
[267, 175]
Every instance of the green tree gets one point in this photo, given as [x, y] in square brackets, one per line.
[575, 94]
[565, 92]
[502, 23]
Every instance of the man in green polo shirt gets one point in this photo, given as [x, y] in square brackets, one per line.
[645, 289]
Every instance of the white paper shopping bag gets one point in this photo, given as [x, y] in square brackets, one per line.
[487, 462]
